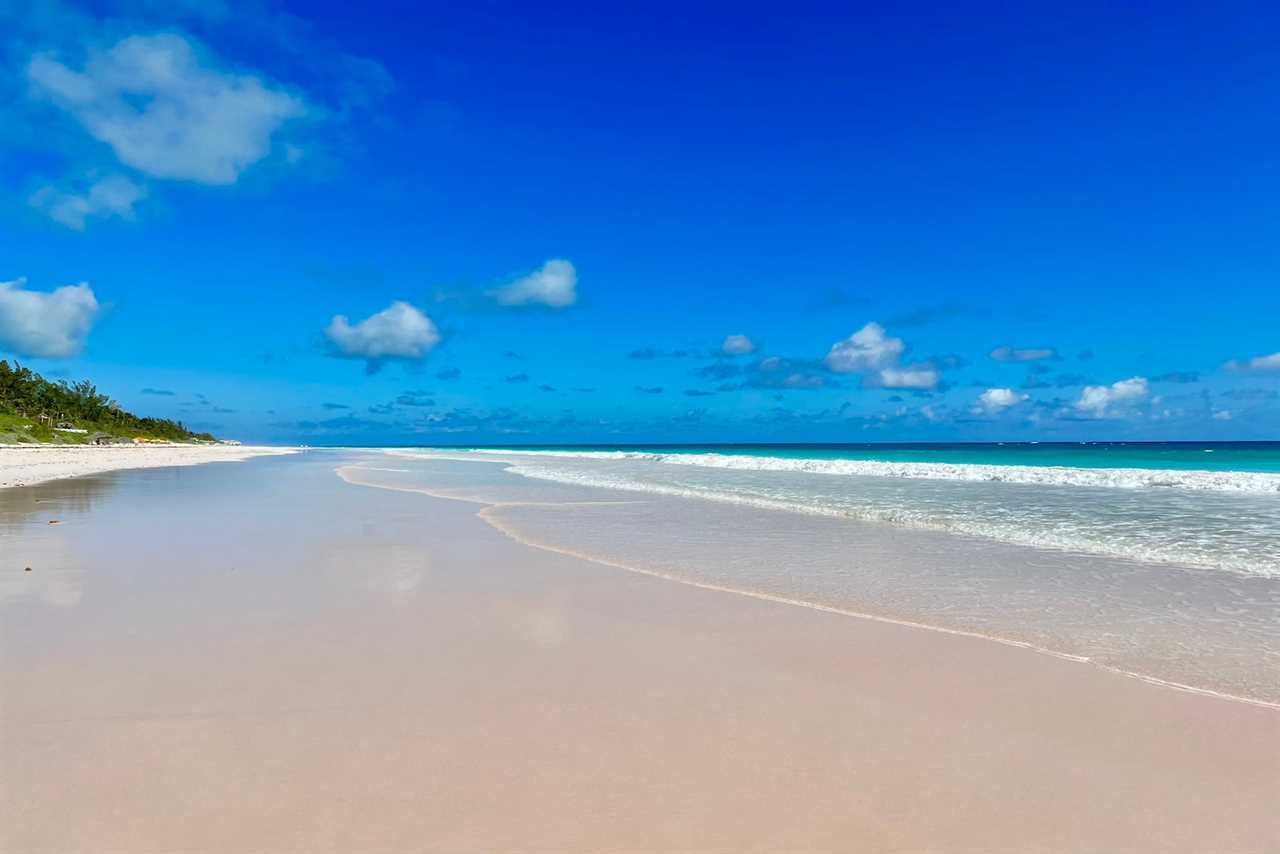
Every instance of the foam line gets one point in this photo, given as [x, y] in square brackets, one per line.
[487, 514]
[1264, 483]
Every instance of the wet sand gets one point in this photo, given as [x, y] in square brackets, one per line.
[264, 658]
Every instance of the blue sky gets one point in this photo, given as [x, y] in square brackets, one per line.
[500, 224]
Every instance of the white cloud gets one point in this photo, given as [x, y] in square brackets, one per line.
[114, 195]
[1222, 415]
[554, 285]
[919, 376]
[867, 349]
[1257, 363]
[737, 345]
[872, 352]
[1035, 354]
[50, 325]
[165, 113]
[997, 400]
[399, 331]
[1098, 399]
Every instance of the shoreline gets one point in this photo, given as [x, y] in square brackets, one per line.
[964, 506]
[28, 465]
[488, 509]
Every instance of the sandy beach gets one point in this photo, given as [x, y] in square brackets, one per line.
[25, 465]
[266, 657]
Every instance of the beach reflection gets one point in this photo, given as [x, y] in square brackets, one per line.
[34, 521]
[56, 499]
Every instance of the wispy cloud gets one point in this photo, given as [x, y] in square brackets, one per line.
[1258, 364]
[1029, 354]
[113, 196]
[921, 376]
[416, 398]
[737, 345]
[166, 110]
[771, 372]
[555, 285]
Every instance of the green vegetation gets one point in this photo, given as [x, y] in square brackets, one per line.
[32, 408]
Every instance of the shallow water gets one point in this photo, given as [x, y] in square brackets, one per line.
[1222, 520]
[1209, 628]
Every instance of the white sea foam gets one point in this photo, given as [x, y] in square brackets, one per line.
[1199, 519]
[1088, 541]
[1263, 483]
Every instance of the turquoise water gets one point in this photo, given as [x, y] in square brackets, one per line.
[1176, 456]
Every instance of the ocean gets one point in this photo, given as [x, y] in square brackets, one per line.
[1158, 560]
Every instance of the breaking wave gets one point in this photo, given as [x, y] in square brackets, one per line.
[1260, 483]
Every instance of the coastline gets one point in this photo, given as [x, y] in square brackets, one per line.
[452, 689]
[27, 465]
[1162, 623]
[491, 513]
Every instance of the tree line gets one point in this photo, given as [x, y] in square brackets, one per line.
[24, 392]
